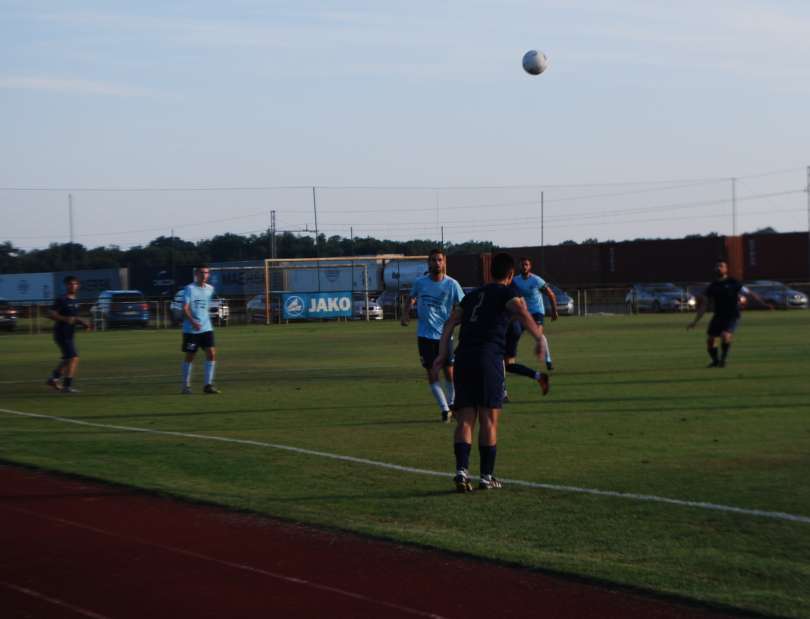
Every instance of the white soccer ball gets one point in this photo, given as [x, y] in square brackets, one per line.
[535, 62]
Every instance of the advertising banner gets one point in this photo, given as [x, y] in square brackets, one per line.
[316, 305]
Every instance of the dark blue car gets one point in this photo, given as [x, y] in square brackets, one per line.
[121, 308]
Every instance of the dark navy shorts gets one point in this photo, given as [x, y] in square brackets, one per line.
[429, 350]
[193, 341]
[67, 347]
[478, 380]
[722, 324]
[513, 333]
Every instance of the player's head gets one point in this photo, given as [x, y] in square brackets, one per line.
[721, 267]
[502, 267]
[71, 284]
[202, 273]
[525, 265]
[437, 262]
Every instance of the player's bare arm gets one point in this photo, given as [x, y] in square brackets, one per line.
[447, 333]
[187, 313]
[70, 320]
[405, 310]
[553, 299]
[759, 299]
[702, 306]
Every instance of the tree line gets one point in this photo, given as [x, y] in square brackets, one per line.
[166, 251]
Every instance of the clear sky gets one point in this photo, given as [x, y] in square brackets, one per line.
[408, 116]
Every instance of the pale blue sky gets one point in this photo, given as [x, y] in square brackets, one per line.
[402, 94]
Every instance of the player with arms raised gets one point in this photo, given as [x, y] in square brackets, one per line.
[197, 329]
[435, 295]
[484, 316]
[724, 293]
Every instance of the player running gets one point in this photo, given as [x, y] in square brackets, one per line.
[435, 295]
[197, 329]
[65, 313]
[532, 288]
[724, 292]
[484, 316]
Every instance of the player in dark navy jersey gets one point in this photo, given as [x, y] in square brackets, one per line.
[65, 314]
[484, 316]
[724, 294]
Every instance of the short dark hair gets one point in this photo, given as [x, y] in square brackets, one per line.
[200, 267]
[435, 251]
[525, 259]
[501, 265]
[70, 278]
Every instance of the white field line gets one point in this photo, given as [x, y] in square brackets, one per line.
[55, 601]
[408, 469]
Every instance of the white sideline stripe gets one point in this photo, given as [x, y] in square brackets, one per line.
[56, 602]
[231, 564]
[408, 469]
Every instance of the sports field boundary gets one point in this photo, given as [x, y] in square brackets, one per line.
[773, 515]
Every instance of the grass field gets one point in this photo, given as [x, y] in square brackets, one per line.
[632, 409]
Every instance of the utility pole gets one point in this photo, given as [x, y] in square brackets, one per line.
[733, 207]
[442, 245]
[171, 254]
[808, 223]
[542, 232]
[272, 234]
[70, 222]
[315, 209]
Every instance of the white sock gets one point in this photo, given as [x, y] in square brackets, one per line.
[186, 374]
[450, 389]
[209, 372]
[548, 350]
[438, 393]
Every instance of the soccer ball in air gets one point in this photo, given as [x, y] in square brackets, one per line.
[534, 62]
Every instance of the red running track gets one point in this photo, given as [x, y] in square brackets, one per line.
[74, 548]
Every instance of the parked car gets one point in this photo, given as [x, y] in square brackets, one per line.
[375, 310]
[665, 297]
[254, 309]
[775, 293]
[8, 316]
[389, 301]
[218, 309]
[121, 308]
[565, 304]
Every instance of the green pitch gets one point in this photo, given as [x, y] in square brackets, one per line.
[632, 409]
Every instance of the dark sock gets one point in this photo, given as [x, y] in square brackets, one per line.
[462, 451]
[517, 368]
[57, 373]
[68, 381]
[487, 454]
[725, 346]
[713, 354]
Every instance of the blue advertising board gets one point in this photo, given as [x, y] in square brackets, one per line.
[315, 305]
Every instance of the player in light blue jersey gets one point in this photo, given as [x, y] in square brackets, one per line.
[435, 295]
[197, 329]
[532, 288]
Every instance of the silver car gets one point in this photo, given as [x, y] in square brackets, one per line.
[776, 294]
[658, 298]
